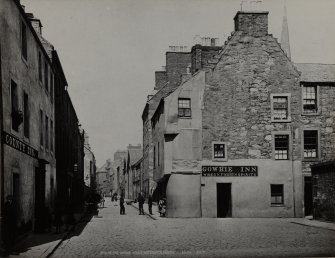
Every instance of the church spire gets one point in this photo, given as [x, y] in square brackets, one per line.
[285, 40]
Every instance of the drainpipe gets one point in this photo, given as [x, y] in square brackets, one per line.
[2, 167]
[293, 180]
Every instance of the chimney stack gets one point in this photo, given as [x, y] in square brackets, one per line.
[252, 23]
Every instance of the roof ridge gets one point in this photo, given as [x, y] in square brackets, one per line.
[315, 63]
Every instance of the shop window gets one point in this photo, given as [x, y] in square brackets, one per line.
[184, 107]
[26, 115]
[219, 151]
[310, 144]
[24, 48]
[281, 147]
[309, 101]
[277, 194]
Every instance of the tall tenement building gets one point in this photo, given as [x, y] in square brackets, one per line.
[236, 135]
[33, 95]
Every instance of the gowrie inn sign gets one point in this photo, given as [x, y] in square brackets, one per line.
[15, 143]
[229, 171]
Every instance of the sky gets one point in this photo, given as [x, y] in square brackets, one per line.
[110, 49]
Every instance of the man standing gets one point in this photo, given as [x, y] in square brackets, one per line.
[150, 204]
[122, 209]
[140, 203]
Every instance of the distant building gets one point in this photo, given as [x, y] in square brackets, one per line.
[104, 184]
[236, 138]
[116, 175]
[133, 155]
[89, 166]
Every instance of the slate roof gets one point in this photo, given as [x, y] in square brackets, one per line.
[316, 72]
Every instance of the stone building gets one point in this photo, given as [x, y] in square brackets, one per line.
[177, 63]
[116, 176]
[134, 153]
[103, 179]
[138, 183]
[236, 138]
[28, 164]
[323, 177]
[69, 143]
[89, 167]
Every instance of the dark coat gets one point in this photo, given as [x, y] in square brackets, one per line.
[140, 199]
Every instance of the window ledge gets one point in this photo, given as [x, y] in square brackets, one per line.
[185, 117]
[219, 159]
[277, 205]
[310, 159]
[311, 114]
[281, 121]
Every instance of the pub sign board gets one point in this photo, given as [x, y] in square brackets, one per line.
[19, 145]
[229, 171]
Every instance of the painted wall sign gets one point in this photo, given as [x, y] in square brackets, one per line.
[229, 171]
[15, 143]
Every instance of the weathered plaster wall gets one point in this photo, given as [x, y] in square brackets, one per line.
[251, 196]
[25, 74]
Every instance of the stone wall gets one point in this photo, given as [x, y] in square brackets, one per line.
[202, 56]
[160, 79]
[323, 180]
[237, 104]
[249, 23]
[324, 121]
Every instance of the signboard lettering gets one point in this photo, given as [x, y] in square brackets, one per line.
[227, 171]
[17, 144]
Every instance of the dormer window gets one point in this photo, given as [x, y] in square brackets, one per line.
[184, 107]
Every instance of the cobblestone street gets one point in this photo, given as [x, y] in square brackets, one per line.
[110, 234]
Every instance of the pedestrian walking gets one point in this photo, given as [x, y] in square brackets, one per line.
[102, 202]
[122, 208]
[150, 204]
[140, 199]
